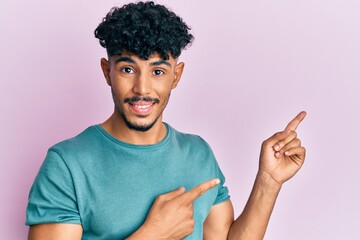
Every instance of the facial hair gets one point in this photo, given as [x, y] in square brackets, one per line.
[141, 128]
[129, 124]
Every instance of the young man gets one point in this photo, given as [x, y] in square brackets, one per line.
[134, 176]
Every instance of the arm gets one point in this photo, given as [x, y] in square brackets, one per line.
[171, 215]
[280, 158]
[55, 231]
[252, 222]
[218, 222]
[52, 199]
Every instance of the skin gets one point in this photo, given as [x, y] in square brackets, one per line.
[281, 157]
[171, 216]
[130, 76]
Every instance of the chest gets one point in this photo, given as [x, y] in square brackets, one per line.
[115, 199]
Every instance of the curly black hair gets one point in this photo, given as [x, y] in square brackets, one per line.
[143, 28]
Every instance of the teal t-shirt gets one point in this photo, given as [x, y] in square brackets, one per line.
[109, 186]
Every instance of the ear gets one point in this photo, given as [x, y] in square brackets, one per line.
[105, 66]
[179, 68]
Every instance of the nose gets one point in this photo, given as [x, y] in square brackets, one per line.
[142, 85]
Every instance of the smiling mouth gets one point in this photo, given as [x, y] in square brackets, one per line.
[141, 105]
[141, 108]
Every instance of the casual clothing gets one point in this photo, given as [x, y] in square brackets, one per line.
[109, 186]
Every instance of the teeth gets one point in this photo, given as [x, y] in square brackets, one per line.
[142, 106]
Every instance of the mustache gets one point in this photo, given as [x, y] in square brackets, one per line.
[144, 99]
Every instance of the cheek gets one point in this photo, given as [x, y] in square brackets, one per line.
[121, 86]
[117, 94]
[163, 87]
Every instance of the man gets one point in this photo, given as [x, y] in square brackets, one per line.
[135, 177]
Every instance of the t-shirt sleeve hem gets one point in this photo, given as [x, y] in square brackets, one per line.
[30, 223]
[218, 201]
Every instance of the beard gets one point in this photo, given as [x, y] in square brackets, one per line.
[138, 127]
[141, 128]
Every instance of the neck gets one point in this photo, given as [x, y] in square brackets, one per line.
[116, 126]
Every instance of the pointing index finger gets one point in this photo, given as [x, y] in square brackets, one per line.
[293, 124]
[199, 190]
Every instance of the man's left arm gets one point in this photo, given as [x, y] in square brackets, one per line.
[218, 222]
[281, 157]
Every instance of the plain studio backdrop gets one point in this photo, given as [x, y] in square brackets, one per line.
[253, 66]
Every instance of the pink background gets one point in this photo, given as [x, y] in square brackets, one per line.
[253, 66]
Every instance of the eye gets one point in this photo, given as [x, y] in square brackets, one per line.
[127, 70]
[158, 72]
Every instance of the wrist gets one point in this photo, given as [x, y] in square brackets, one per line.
[266, 182]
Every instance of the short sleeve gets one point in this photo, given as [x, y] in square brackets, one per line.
[223, 191]
[52, 197]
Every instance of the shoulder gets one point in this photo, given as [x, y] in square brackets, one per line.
[84, 139]
[186, 136]
[78, 147]
[71, 154]
[190, 140]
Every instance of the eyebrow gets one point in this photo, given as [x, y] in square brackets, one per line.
[130, 60]
[124, 59]
[157, 63]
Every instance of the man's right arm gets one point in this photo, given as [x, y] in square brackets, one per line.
[172, 214]
[170, 217]
[52, 199]
[55, 231]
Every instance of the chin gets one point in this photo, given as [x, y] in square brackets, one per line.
[140, 123]
[142, 127]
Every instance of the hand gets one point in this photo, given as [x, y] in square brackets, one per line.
[171, 215]
[282, 154]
